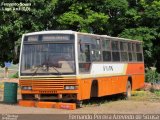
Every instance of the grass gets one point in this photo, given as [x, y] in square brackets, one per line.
[157, 92]
[146, 96]
[136, 96]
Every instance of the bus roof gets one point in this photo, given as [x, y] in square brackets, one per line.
[52, 31]
[73, 32]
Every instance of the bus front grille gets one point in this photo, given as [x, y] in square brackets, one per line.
[48, 84]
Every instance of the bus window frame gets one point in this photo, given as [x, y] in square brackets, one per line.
[116, 51]
[106, 50]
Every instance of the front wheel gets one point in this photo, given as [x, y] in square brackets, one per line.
[79, 103]
[128, 90]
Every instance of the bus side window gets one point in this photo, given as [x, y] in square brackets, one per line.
[84, 58]
[106, 50]
[130, 51]
[96, 53]
[115, 51]
[134, 56]
[124, 49]
[84, 55]
[139, 52]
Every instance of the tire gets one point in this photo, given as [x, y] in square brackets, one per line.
[79, 103]
[128, 93]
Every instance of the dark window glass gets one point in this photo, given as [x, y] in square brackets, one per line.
[133, 47]
[115, 45]
[115, 56]
[124, 56]
[84, 67]
[84, 54]
[134, 56]
[106, 56]
[123, 46]
[139, 57]
[106, 45]
[138, 48]
[130, 56]
[96, 55]
[129, 47]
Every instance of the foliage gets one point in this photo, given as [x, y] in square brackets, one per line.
[135, 19]
[147, 35]
[14, 23]
[14, 75]
[157, 92]
[152, 76]
[82, 17]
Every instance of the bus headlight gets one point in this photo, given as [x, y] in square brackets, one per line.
[26, 88]
[70, 87]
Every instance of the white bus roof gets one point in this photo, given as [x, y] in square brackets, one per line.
[52, 31]
[73, 32]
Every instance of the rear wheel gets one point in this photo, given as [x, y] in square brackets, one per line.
[128, 90]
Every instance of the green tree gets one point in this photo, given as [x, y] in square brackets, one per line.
[135, 19]
[82, 16]
[147, 35]
[15, 23]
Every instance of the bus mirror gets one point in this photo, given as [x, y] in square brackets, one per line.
[82, 48]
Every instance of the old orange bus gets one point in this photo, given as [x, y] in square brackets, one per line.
[68, 65]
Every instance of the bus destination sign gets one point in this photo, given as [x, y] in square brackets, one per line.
[33, 38]
[55, 37]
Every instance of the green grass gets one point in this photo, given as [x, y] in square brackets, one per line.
[157, 92]
[136, 96]
[146, 96]
[15, 75]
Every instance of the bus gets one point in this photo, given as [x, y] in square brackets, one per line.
[65, 65]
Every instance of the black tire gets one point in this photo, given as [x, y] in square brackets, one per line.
[79, 103]
[128, 93]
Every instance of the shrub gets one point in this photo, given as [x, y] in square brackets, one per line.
[152, 75]
[14, 75]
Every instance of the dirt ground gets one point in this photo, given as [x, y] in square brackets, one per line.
[116, 107]
[142, 102]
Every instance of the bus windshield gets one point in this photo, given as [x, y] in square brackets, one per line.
[48, 59]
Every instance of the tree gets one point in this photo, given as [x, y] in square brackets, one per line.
[135, 19]
[15, 23]
[147, 35]
[82, 16]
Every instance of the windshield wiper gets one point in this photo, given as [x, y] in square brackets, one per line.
[36, 70]
[57, 70]
[48, 64]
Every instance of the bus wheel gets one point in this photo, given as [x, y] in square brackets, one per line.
[79, 103]
[128, 90]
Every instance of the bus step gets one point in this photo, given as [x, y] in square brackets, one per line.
[43, 104]
[46, 104]
[26, 103]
